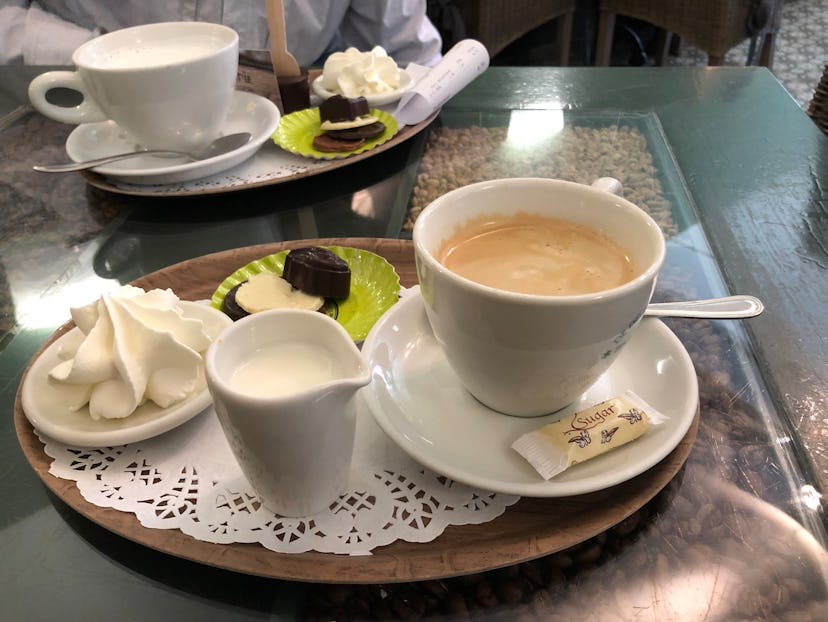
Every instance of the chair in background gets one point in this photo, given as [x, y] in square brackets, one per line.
[714, 26]
[818, 108]
[497, 23]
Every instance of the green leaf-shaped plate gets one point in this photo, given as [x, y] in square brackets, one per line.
[296, 131]
[375, 286]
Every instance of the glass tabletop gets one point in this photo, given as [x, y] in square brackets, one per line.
[739, 533]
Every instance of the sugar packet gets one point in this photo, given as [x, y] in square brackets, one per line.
[587, 433]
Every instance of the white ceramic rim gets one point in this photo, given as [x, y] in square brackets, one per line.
[539, 299]
[203, 27]
[275, 316]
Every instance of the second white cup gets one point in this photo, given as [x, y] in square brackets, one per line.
[167, 85]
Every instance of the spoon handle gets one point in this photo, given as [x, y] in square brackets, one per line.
[80, 166]
[732, 307]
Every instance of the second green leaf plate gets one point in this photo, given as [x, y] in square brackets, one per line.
[296, 131]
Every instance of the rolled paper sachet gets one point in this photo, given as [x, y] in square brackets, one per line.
[587, 433]
[456, 70]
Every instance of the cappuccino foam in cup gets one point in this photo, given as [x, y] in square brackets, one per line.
[533, 254]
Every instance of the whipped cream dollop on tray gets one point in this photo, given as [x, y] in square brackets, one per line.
[353, 73]
[130, 346]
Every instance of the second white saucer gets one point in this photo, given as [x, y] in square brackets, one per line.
[248, 113]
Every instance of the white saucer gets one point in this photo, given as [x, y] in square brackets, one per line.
[379, 99]
[44, 403]
[248, 113]
[418, 401]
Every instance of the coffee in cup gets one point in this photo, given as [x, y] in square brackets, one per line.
[534, 254]
[532, 286]
[166, 85]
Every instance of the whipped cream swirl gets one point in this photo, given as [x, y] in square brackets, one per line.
[353, 73]
[129, 347]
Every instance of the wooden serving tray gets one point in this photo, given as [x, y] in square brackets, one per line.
[198, 187]
[529, 529]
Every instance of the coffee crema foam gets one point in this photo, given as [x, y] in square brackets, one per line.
[534, 254]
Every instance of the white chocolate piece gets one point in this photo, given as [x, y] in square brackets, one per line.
[365, 119]
[267, 290]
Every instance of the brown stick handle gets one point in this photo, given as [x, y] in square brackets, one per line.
[283, 61]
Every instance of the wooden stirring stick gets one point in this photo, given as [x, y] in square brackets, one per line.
[284, 63]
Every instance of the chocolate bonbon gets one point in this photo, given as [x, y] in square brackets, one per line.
[339, 108]
[317, 270]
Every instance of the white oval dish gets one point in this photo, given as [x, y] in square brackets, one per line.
[379, 99]
[44, 403]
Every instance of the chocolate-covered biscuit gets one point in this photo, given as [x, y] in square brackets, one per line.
[329, 144]
[356, 133]
[318, 271]
[230, 307]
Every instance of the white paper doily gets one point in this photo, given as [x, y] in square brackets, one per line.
[188, 479]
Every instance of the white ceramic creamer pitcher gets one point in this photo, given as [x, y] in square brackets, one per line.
[284, 385]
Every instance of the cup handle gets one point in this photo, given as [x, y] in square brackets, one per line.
[609, 184]
[85, 112]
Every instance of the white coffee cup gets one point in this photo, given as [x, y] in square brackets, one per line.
[529, 354]
[291, 428]
[166, 85]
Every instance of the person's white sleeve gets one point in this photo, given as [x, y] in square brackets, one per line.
[35, 37]
[12, 33]
[313, 27]
[401, 27]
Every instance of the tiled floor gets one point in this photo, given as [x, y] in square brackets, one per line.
[801, 49]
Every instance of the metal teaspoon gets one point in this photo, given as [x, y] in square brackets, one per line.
[224, 144]
[729, 307]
